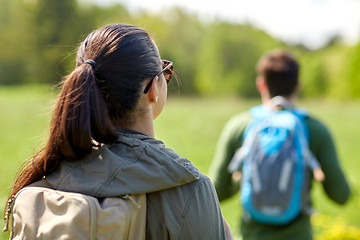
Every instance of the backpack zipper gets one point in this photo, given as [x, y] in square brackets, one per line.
[9, 205]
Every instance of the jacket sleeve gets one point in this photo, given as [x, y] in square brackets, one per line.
[230, 140]
[323, 147]
[202, 218]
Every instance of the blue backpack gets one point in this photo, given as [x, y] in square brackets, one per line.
[274, 160]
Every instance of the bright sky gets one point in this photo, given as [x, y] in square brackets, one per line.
[310, 22]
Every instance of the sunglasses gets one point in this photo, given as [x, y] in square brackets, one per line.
[168, 68]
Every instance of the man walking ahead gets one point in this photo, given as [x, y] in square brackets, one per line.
[277, 80]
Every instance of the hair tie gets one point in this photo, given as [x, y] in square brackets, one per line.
[92, 63]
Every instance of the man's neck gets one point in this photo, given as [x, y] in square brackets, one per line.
[285, 101]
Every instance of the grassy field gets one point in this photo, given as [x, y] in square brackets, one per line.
[191, 126]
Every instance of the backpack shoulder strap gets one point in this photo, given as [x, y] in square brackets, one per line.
[257, 113]
[302, 114]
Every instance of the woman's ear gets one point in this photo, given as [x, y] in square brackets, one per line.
[153, 91]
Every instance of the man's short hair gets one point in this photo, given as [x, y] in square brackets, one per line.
[280, 71]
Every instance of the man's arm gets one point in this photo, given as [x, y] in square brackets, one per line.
[230, 140]
[323, 147]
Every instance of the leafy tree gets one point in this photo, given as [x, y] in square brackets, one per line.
[353, 76]
[39, 40]
[179, 36]
[14, 16]
[228, 58]
[57, 32]
[182, 44]
[314, 77]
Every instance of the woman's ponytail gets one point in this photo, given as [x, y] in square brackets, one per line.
[81, 116]
[79, 123]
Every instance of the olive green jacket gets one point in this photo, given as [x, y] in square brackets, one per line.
[181, 202]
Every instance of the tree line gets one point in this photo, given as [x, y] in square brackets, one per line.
[212, 58]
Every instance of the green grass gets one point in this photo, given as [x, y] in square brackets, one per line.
[191, 126]
[24, 119]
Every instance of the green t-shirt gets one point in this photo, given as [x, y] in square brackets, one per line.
[321, 144]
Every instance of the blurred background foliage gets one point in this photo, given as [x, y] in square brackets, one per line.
[39, 39]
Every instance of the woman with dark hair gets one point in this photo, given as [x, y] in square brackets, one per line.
[102, 143]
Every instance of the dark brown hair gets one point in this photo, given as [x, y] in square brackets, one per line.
[94, 99]
[280, 71]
